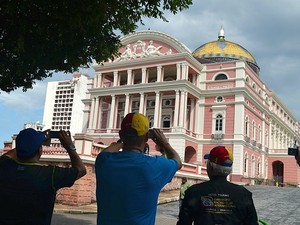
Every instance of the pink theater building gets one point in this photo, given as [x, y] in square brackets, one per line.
[211, 96]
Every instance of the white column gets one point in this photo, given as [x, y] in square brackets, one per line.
[192, 116]
[144, 71]
[183, 71]
[115, 79]
[187, 72]
[197, 116]
[116, 113]
[92, 113]
[197, 80]
[157, 109]
[142, 103]
[182, 108]
[145, 104]
[176, 110]
[112, 111]
[100, 84]
[129, 74]
[95, 82]
[99, 123]
[263, 138]
[147, 76]
[185, 95]
[178, 75]
[96, 113]
[158, 78]
[126, 105]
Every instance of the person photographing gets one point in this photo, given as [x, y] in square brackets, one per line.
[128, 182]
[28, 188]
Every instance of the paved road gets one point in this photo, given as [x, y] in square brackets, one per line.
[278, 206]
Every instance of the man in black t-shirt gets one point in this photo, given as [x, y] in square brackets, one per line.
[27, 188]
[218, 201]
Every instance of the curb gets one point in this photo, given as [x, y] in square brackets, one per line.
[74, 211]
[174, 199]
[94, 211]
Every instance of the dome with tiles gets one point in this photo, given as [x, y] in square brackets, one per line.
[222, 50]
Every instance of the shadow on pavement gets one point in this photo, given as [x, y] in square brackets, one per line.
[78, 219]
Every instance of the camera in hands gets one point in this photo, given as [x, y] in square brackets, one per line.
[293, 151]
[150, 134]
[54, 133]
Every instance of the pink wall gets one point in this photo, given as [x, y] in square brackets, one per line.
[291, 171]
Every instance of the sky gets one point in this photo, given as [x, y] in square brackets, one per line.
[268, 29]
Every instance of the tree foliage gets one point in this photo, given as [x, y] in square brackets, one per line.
[38, 37]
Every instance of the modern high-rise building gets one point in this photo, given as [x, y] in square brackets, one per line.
[37, 126]
[63, 105]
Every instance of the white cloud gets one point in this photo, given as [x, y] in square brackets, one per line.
[25, 101]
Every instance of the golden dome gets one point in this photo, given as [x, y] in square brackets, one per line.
[222, 50]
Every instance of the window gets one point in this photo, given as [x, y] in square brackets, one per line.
[167, 102]
[166, 121]
[219, 123]
[219, 99]
[252, 166]
[253, 130]
[151, 121]
[151, 103]
[258, 167]
[246, 164]
[221, 77]
[259, 91]
[247, 127]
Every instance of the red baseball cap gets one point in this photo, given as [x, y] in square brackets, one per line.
[134, 124]
[220, 155]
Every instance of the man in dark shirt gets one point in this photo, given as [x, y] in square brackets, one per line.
[217, 201]
[27, 188]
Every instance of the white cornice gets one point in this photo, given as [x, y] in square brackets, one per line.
[155, 60]
[149, 87]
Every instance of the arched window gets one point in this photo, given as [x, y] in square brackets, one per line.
[259, 134]
[247, 127]
[151, 121]
[246, 164]
[247, 79]
[221, 77]
[252, 166]
[258, 167]
[259, 91]
[253, 130]
[219, 123]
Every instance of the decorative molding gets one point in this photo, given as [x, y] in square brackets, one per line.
[217, 136]
[139, 50]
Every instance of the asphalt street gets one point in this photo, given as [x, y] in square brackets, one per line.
[276, 205]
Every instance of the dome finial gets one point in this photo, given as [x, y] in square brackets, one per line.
[221, 35]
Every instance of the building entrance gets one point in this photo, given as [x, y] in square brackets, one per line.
[278, 167]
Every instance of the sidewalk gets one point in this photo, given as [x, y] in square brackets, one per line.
[164, 197]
